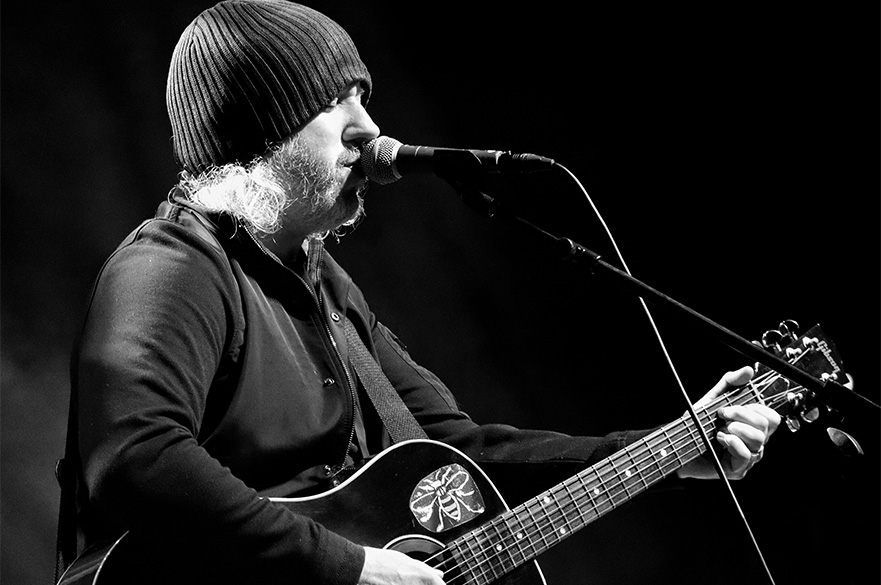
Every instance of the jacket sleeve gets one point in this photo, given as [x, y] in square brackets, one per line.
[155, 333]
[517, 459]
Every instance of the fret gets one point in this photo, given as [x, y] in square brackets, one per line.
[563, 531]
[622, 473]
[492, 562]
[694, 436]
[602, 491]
[710, 425]
[669, 449]
[458, 561]
[477, 551]
[575, 510]
[660, 450]
[640, 469]
[517, 536]
[588, 492]
[528, 533]
[500, 550]
[551, 529]
[677, 444]
[536, 502]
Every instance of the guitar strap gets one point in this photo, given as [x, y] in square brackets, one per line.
[65, 473]
[397, 418]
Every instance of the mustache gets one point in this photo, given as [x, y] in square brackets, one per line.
[350, 157]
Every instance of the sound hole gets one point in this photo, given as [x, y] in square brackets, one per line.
[430, 551]
[416, 546]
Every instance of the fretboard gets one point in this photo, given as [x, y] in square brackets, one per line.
[521, 534]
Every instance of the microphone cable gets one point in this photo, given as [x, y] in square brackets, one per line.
[717, 463]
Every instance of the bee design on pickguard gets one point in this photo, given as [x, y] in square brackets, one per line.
[446, 498]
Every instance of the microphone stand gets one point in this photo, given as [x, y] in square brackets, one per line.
[456, 171]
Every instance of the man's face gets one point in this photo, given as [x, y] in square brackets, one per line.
[319, 166]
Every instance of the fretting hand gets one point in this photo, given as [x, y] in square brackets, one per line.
[743, 434]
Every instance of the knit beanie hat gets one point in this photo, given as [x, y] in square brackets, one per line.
[248, 73]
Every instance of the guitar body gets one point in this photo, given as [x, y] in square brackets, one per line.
[374, 507]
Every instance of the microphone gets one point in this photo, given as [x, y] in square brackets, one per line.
[385, 160]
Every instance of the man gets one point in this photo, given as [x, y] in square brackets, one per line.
[215, 367]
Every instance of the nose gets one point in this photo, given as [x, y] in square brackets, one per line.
[361, 127]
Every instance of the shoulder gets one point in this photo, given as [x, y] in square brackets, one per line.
[175, 257]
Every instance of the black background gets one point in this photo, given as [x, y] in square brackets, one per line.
[732, 150]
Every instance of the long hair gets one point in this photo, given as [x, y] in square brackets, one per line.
[257, 194]
[249, 193]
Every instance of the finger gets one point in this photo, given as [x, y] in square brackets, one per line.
[757, 415]
[738, 377]
[730, 380]
[753, 438]
[746, 415]
[771, 416]
[740, 456]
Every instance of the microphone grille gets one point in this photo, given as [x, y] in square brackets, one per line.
[378, 160]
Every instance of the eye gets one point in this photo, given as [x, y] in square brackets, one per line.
[350, 95]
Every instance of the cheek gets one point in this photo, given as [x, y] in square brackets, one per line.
[323, 135]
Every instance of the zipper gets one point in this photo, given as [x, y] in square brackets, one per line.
[331, 472]
[349, 383]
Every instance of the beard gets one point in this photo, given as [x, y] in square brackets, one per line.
[318, 200]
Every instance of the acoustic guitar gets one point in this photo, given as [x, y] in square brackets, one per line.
[432, 502]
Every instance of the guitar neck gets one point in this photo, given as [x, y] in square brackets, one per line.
[521, 534]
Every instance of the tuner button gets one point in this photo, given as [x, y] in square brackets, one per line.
[810, 416]
[792, 424]
[793, 352]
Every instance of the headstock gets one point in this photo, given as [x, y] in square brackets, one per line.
[812, 352]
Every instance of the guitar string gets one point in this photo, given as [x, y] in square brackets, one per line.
[493, 559]
[493, 556]
[652, 442]
[564, 512]
[561, 513]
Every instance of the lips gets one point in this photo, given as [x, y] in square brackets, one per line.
[356, 168]
[351, 159]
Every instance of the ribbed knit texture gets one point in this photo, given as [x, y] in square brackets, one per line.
[248, 73]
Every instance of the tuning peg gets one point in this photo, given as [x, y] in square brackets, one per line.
[793, 352]
[789, 328]
[811, 415]
[810, 342]
[792, 424]
[771, 340]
